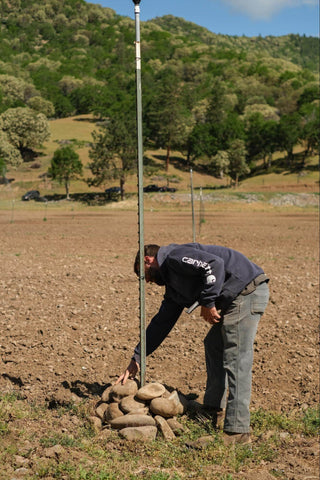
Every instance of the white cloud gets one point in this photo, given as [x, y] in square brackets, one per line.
[265, 9]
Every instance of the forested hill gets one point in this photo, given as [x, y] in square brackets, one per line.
[74, 54]
[301, 50]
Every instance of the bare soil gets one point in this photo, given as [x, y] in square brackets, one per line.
[69, 311]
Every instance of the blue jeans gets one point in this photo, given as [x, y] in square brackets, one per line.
[229, 358]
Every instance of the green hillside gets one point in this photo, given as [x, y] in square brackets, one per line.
[300, 50]
[203, 92]
[75, 54]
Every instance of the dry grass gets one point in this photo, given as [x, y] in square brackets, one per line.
[79, 130]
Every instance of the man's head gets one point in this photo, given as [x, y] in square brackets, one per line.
[151, 266]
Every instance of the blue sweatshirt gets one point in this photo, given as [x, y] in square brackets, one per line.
[209, 274]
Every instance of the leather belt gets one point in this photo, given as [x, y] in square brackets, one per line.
[262, 278]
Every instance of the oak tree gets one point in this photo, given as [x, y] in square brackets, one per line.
[65, 166]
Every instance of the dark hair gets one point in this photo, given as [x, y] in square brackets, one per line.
[150, 250]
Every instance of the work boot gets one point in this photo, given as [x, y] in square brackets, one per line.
[201, 442]
[231, 438]
[204, 413]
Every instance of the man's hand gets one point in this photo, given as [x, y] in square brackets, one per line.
[210, 315]
[131, 372]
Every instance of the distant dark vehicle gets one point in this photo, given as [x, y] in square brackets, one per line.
[151, 188]
[167, 189]
[5, 180]
[113, 192]
[155, 188]
[31, 195]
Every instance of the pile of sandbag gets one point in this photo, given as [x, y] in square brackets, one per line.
[141, 413]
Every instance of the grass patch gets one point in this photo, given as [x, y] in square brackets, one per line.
[29, 430]
[306, 423]
[78, 132]
[12, 407]
[59, 439]
[4, 428]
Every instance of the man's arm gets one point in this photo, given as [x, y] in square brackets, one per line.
[159, 327]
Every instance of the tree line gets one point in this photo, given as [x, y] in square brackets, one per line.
[217, 137]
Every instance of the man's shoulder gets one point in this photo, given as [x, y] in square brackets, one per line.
[175, 251]
[165, 251]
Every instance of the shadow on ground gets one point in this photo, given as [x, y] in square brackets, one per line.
[88, 198]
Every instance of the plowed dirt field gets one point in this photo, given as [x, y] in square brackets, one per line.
[69, 311]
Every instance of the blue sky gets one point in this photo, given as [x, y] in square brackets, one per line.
[232, 17]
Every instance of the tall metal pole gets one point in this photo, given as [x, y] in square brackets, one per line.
[192, 208]
[140, 197]
[201, 211]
